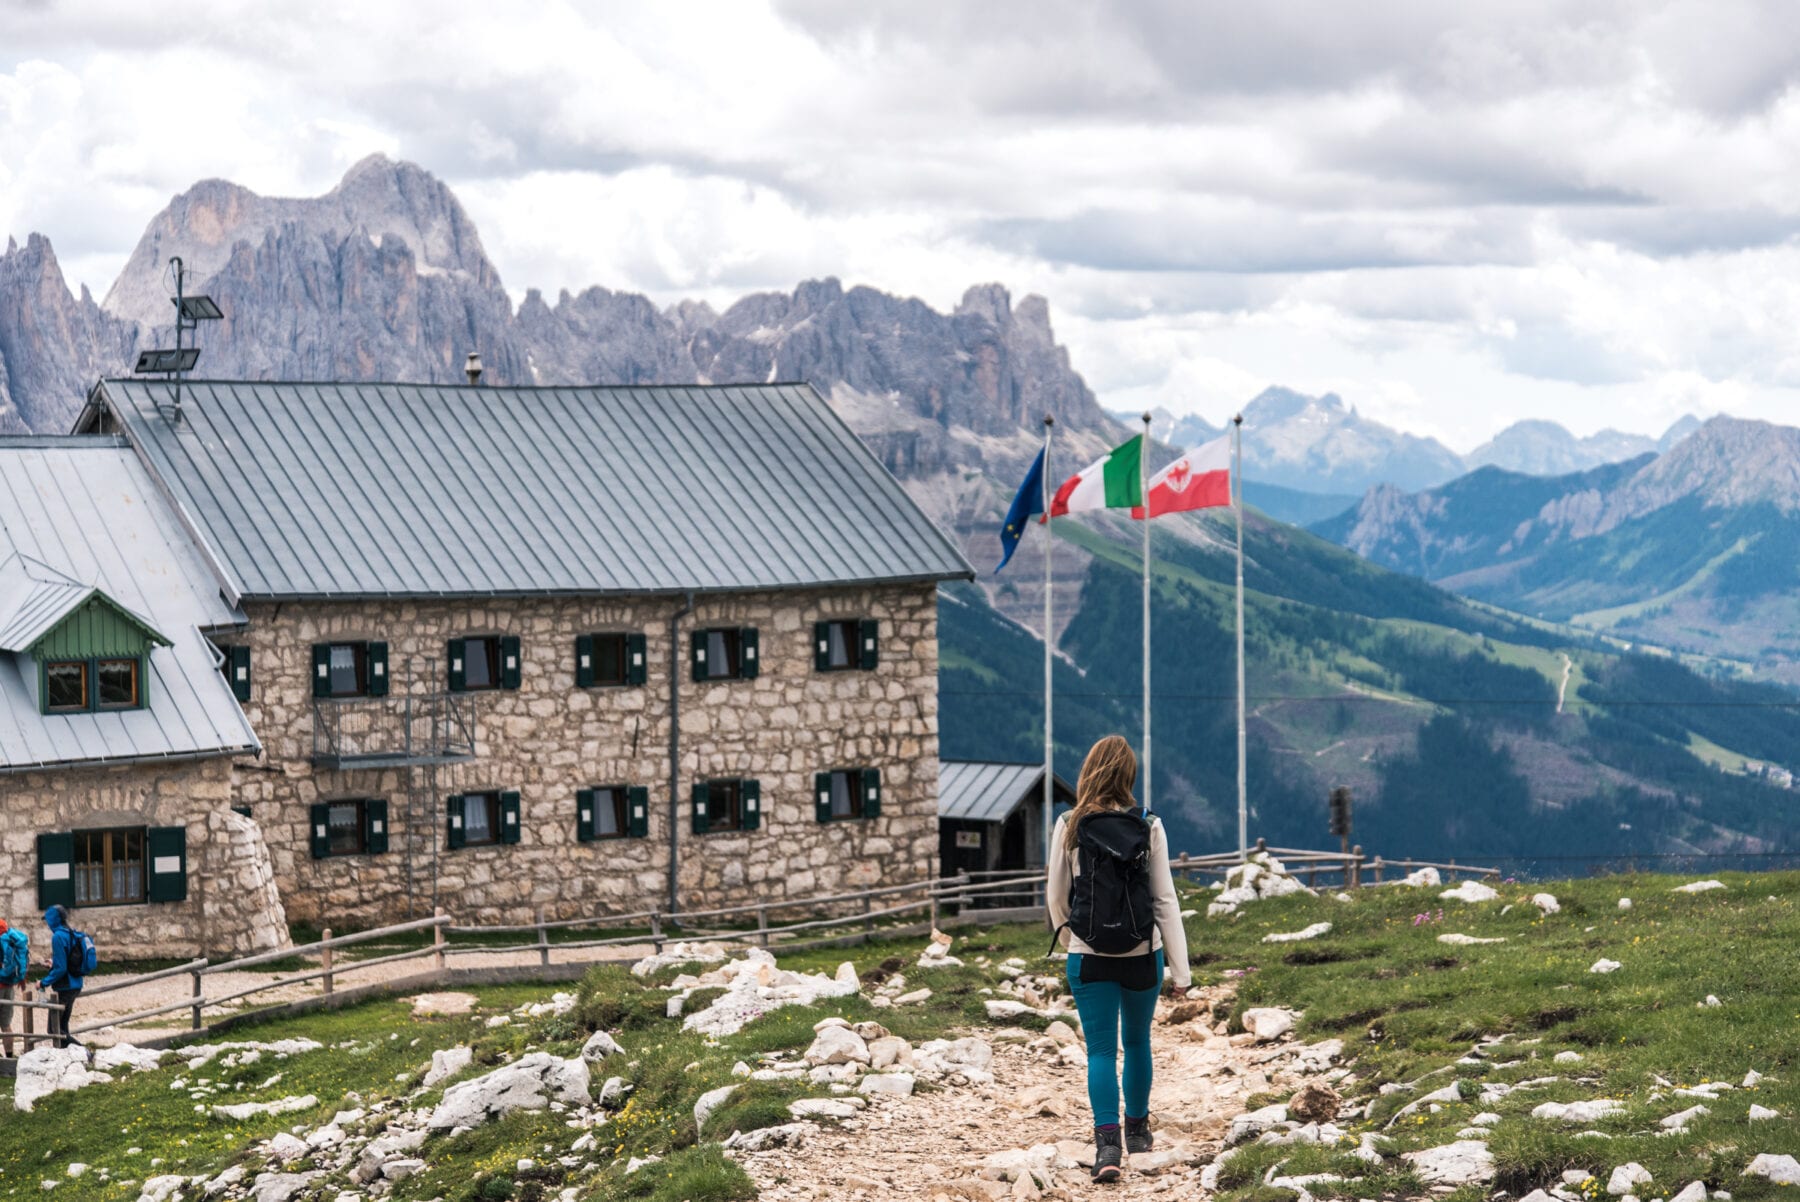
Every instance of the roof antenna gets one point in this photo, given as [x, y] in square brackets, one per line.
[472, 368]
[190, 311]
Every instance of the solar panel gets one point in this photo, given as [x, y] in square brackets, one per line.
[151, 362]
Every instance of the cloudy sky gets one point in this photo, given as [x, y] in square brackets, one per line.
[1455, 215]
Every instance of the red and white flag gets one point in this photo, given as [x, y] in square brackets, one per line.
[1200, 479]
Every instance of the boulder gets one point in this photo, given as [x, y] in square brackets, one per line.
[451, 1061]
[1471, 891]
[1700, 887]
[1462, 1163]
[1268, 1023]
[1693, 1191]
[1626, 1178]
[838, 1045]
[1252, 1124]
[786, 1135]
[1315, 1103]
[44, 1071]
[1624, 903]
[710, 1101]
[124, 1055]
[1603, 966]
[1782, 1170]
[1312, 932]
[944, 1057]
[1679, 1122]
[280, 1187]
[889, 1050]
[1547, 903]
[1762, 1114]
[530, 1083]
[825, 1108]
[249, 1110]
[754, 986]
[1578, 1112]
[598, 1047]
[1424, 878]
[898, 1085]
[680, 953]
[158, 1189]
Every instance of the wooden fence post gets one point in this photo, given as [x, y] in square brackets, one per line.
[325, 956]
[543, 940]
[199, 981]
[30, 1020]
[656, 939]
[1356, 858]
[437, 941]
[762, 923]
[1452, 870]
[1379, 869]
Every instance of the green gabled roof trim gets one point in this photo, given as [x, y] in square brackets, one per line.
[97, 625]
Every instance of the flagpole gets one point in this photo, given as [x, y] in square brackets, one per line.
[1049, 655]
[1144, 499]
[1237, 483]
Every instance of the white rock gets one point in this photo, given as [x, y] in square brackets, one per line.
[1460, 1163]
[1782, 1170]
[890, 1050]
[636, 1163]
[824, 1108]
[754, 986]
[1700, 887]
[124, 1055]
[680, 953]
[1547, 903]
[1486, 1118]
[157, 1189]
[1003, 1008]
[787, 1135]
[530, 1083]
[1752, 1079]
[1311, 932]
[1458, 939]
[899, 1085]
[247, 1110]
[838, 1045]
[1762, 1114]
[1603, 965]
[1424, 878]
[968, 1056]
[1268, 1023]
[710, 1101]
[1538, 1195]
[449, 1062]
[916, 997]
[1575, 1176]
[44, 1071]
[612, 1093]
[1567, 1058]
[1471, 891]
[1255, 1123]
[1627, 1176]
[1677, 1122]
[400, 1170]
[1694, 1191]
[598, 1047]
[1577, 1112]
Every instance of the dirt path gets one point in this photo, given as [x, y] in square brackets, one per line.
[1562, 691]
[931, 1145]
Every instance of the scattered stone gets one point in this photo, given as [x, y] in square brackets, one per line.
[1253, 1124]
[280, 1187]
[1461, 1163]
[124, 1055]
[1261, 876]
[449, 1062]
[598, 1047]
[1486, 1118]
[898, 1085]
[710, 1101]
[1424, 878]
[1700, 887]
[753, 987]
[969, 1057]
[1064, 1034]
[1471, 891]
[1624, 903]
[1762, 1114]
[838, 1045]
[680, 953]
[1458, 939]
[1578, 1112]
[400, 1170]
[530, 1083]
[888, 1051]
[825, 1108]
[1000, 1009]
[1538, 1195]
[1693, 1191]
[1752, 1079]
[1626, 1177]
[787, 1135]
[1711, 1002]
[1312, 932]
[937, 952]
[448, 1004]
[1268, 1023]
[248, 1110]
[157, 1189]
[638, 1162]
[1041, 1099]
[612, 1093]
[1315, 1103]
[44, 1071]
[1782, 1170]
[1567, 1058]
[1678, 1122]
[1547, 903]
[916, 997]
[1603, 965]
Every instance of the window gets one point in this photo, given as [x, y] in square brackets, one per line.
[109, 867]
[725, 653]
[846, 644]
[348, 666]
[344, 828]
[727, 805]
[484, 662]
[117, 681]
[349, 827]
[609, 659]
[234, 663]
[339, 670]
[480, 819]
[612, 812]
[609, 813]
[847, 793]
[65, 685]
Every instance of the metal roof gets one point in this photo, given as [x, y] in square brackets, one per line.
[976, 791]
[86, 510]
[34, 597]
[313, 490]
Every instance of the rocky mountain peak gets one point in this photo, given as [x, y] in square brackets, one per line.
[1728, 462]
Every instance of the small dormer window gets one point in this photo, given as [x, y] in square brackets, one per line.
[79, 686]
[117, 683]
[66, 686]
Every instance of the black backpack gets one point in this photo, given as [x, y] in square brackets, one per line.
[1110, 904]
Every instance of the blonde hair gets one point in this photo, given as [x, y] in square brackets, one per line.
[1107, 776]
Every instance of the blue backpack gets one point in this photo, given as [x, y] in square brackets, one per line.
[15, 950]
[84, 957]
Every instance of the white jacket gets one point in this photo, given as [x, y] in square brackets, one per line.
[1169, 934]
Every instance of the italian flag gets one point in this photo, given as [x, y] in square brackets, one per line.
[1200, 479]
[1114, 481]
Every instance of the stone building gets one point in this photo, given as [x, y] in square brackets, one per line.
[583, 650]
[117, 732]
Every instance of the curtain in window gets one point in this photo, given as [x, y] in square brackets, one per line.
[478, 824]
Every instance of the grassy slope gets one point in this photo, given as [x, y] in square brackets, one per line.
[1406, 1006]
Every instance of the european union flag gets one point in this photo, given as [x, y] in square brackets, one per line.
[1030, 501]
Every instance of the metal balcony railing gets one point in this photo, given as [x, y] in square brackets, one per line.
[378, 732]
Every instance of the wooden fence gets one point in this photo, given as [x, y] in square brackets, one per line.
[838, 918]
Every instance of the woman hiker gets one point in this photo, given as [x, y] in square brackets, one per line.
[1120, 922]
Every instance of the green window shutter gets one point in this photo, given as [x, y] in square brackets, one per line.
[697, 654]
[750, 796]
[237, 663]
[584, 661]
[512, 665]
[584, 815]
[321, 669]
[56, 870]
[378, 669]
[701, 823]
[458, 650]
[637, 663]
[822, 796]
[319, 832]
[509, 817]
[637, 812]
[871, 787]
[869, 644]
[748, 656]
[821, 646]
[453, 822]
[166, 849]
[375, 826]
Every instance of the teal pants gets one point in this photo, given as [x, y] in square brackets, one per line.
[1111, 1015]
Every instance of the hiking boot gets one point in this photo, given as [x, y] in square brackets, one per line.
[1106, 1155]
[1138, 1139]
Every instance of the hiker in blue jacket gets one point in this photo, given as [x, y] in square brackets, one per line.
[63, 977]
[15, 959]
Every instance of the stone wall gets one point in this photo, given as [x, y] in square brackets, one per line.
[232, 906]
[549, 738]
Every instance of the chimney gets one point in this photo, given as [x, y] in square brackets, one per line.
[472, 367]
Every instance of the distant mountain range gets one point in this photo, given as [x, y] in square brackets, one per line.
[1323, 446]
[1697, 549]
